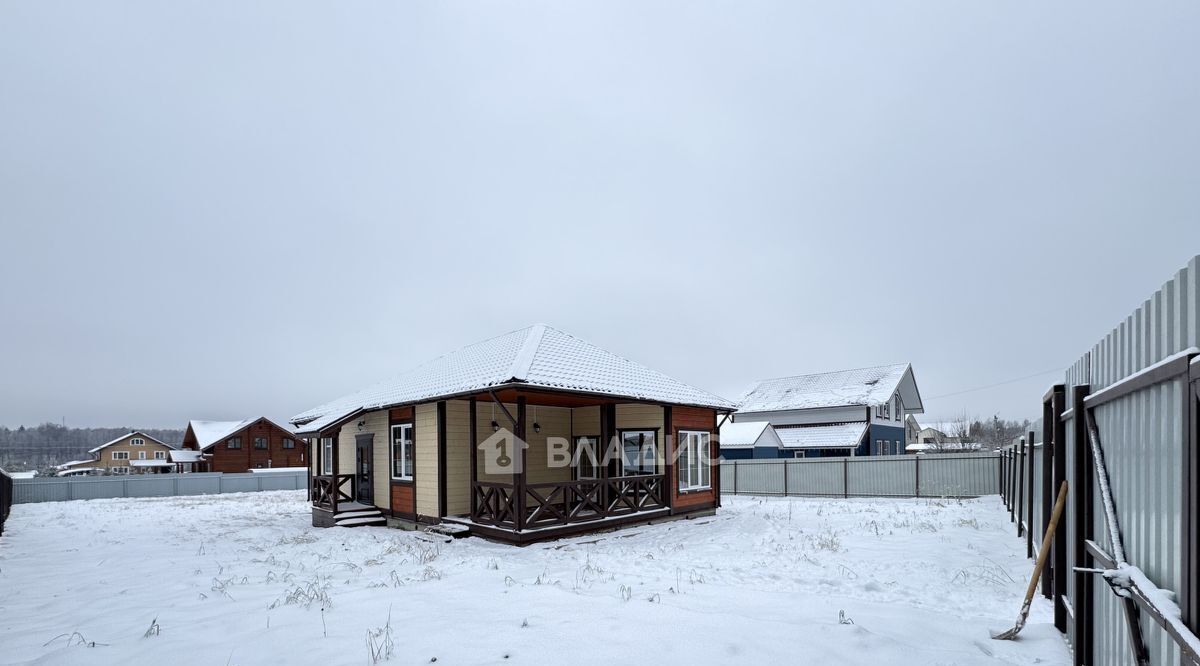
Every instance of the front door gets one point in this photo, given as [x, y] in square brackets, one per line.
[365, 483]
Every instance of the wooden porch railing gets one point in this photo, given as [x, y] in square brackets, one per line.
[567, 502]
[326, 487]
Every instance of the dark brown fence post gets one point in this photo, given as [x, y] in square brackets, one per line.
[1081, 491]
[917, 474]
[6, 497]
[1059, 552]
[1029, 482]
[1189, 601]
[1047, 488]
[846, 477]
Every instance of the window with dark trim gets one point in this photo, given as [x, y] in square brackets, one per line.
[694, 468]
[289, 443]
[233, 443]
[327, 455]
[260, 443]
[587, 457]
[402, 452]
[639, 452]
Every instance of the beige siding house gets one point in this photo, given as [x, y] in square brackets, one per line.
[133, 453]
[530, 435]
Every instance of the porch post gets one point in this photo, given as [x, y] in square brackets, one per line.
[333, 469]
[518, 457]
[669, 448]
[473, 438]
[441, 457]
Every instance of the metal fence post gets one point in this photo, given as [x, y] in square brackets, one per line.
[1029, 454]
[785, 476]
[846, 477]
[917, 474]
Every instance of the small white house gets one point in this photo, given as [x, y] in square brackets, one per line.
[753, 439]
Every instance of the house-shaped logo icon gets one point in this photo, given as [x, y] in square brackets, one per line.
[503, 452]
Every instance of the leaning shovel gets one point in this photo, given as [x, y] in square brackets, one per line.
[1037, 569]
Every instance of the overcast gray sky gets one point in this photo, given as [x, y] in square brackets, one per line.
[222, 209]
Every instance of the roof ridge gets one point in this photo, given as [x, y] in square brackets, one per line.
[834, 372]
[523, 361]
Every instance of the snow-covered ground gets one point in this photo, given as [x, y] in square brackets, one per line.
[245, 579]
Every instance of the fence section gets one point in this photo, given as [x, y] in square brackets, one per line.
[941, 475]
[151, 485]
[6, 497]
[1134, 399]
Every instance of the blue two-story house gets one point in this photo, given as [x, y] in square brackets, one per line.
[843, 413]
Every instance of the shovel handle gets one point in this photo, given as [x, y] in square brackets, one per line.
[1045, 550]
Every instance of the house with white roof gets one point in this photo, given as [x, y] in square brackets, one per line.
[749, 439]
[240, 446]
[842, 413]
[131, 453]
[530, 435]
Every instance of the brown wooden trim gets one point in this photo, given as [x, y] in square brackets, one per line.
[670, 447]
[473, 442]
[519, 470]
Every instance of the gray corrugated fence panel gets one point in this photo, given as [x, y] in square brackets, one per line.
[239, 483]
[727, 476]
[945, 475]
[1141, 435]
[819, 476]
[199, 484]
[150, 485]
[881, 476]
[960, 475]
[1142, 439]
[760, 477]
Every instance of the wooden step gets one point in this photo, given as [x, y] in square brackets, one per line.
[359, 522]
[358, 515]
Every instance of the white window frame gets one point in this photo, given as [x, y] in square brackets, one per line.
[160, 455]
[141, 455]
[137, 441]
[120, 455]
[695, 464]
[407, 454]
[327, 456]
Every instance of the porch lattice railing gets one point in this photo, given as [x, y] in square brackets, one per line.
[567, 502]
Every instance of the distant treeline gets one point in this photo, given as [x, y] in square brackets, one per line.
[42, 447]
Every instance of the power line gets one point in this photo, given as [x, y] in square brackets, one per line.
[1007, 381]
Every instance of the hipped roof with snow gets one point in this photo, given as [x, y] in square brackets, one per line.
[135, 433]
[863, 386]
[538, 356]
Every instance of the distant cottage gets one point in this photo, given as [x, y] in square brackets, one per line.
[239, 446]
[844, 413]
[132, 453]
